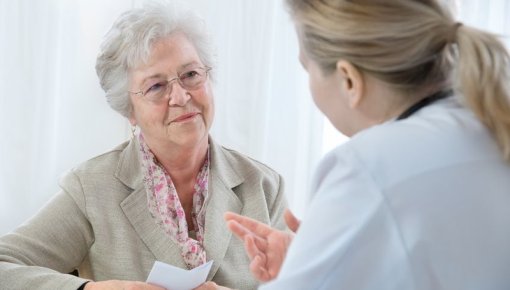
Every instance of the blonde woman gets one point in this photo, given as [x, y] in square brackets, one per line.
[419, 198]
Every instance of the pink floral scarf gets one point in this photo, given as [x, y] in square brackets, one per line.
[165, 206]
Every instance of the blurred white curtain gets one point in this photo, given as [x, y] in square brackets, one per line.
[492, 15]
[52, 109]
[54, 114]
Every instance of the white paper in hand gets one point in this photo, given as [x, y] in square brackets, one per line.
[175, 278]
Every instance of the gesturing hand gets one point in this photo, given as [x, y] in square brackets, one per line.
[266, 247]
[291, 221]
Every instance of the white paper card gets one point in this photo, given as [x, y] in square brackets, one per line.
[175, 278]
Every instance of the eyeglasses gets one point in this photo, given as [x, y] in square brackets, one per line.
[191, 79]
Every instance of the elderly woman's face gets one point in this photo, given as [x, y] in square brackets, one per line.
[184, 116]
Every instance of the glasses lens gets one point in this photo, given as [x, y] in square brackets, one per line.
[194, 78]
[191, 79]
[156, 91]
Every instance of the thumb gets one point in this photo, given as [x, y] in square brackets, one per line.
[291, 220]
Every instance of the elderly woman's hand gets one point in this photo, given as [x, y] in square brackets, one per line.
[211, 286]
[265, 246]
[121, 285]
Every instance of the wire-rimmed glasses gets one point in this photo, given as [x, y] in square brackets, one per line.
[190, 79]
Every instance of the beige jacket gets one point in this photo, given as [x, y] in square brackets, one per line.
[100, 224]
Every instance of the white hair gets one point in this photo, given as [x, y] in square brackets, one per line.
[129, 41]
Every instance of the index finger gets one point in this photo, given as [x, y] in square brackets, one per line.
[252, 225]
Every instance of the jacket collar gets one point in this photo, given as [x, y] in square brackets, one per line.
[223, 179]
[129, 166]
[129, 169]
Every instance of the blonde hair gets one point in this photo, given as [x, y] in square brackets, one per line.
[411, 45]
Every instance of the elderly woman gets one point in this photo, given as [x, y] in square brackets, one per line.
[160, 196]
[419, 198]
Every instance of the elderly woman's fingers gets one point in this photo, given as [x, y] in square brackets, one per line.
[207, 286]
[291, 220]
[211, 286]
[256, 227]
[121, 285]
[152, 287]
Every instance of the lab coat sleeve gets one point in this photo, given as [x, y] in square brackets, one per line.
[348, 238]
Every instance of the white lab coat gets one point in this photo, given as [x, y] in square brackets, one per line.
[421, 203]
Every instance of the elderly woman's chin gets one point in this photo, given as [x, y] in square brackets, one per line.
[188, 130]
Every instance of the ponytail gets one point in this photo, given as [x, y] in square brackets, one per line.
[483, 78]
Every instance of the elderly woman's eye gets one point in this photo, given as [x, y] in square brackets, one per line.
[156, 87]
[190, 74]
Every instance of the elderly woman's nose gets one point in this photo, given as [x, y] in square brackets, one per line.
[178, 96]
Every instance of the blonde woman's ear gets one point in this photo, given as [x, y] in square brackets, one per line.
[352, 82]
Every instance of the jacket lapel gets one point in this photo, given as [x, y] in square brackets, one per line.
[135, 209]
[221, 198]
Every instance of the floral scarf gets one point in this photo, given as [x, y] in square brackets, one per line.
[167, 211]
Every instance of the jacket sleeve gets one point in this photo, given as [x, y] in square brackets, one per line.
[53, 242]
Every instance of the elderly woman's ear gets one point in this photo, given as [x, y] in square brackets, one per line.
[351, 82]
[132, 119]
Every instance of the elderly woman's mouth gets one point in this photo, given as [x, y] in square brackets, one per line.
[185, 117]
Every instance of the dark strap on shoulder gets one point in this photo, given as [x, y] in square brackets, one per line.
[425, 102]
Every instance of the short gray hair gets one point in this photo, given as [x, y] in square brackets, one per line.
[129, 42]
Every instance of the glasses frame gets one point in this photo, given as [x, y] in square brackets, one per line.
[168, 91]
